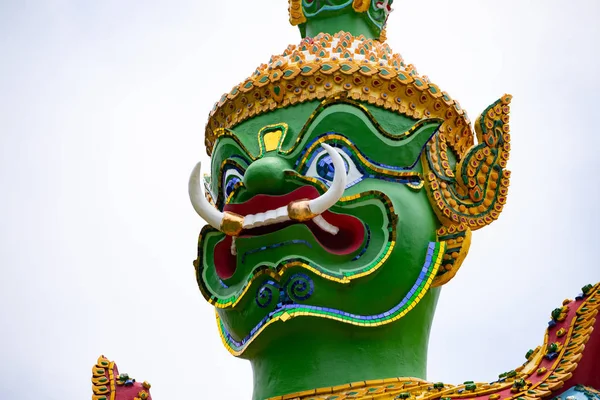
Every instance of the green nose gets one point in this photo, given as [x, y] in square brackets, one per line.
[266, 176]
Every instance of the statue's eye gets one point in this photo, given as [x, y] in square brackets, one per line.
[321, 167]
[230, 180]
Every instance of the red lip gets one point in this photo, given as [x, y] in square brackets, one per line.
[348, 239]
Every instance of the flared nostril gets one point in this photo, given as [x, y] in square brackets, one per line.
[266, 175]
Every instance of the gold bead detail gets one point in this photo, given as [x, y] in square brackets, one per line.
[232, 224]
[299, 210]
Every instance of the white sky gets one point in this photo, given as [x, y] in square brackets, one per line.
[102, 113]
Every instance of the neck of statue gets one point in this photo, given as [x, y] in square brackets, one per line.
[347, 22]
[323, 353]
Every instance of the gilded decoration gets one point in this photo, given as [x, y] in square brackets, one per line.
[296, 309]
[103, 380]
[467, 185]
[281, 269]
[474, 192]
[361, 5]
[375, 12]
[341, 65]
[296, 14]
[345, 191]
[542, 375]
[108, 384]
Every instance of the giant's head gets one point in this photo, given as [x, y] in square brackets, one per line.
[343, 186]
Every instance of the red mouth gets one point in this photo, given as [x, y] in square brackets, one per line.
[347, 240]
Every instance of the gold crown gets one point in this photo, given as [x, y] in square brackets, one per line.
[328, 66]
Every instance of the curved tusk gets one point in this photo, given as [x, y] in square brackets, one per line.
[336, 190]
[326, 226]
[204, 209]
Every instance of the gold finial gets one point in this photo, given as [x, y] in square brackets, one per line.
[383, 35]
[296, 14]
[361, 5]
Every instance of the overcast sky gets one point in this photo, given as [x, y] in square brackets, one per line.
[102, 113]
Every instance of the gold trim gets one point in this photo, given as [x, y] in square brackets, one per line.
[271, 140]
[327, 66]
[232, 224]
[296, 14]
[582, 323]
[263, 147]
[340, 98]
[103, 380]
[458, 242]
[299, 210]
[365, 161]
[288, 315]
[284, 266]
[361, 6]
[475, 191]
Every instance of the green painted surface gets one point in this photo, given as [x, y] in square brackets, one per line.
[348, 22]
[309, 352]
[266, 176]
[332, 16]
[308, 317]
[390, 121]
[298, 359]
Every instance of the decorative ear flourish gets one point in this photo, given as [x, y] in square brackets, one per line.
[468, 193]
[475, 194]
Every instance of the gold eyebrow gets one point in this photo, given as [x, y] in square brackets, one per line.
[340, 99]
[342, 139]
[344, 100]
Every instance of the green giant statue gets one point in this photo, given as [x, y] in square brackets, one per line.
[343, 191]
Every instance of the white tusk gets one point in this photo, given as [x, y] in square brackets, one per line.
[204, 209]
[326, 226]
[336, 190]
[233, 247]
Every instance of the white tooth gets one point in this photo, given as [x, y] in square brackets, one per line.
[267, 218]
[248, 220]
[326, 226]
[270, 216]
[282, 212]
[282, 218]
[233, 248]
[259, 220]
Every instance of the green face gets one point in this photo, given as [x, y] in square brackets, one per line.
[377, 266]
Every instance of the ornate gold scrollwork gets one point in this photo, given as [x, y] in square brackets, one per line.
[469, 193]
[474, 193]
[296, 14]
